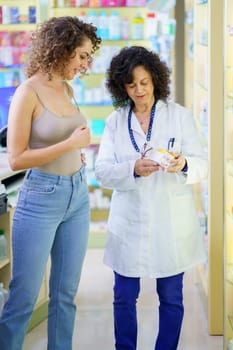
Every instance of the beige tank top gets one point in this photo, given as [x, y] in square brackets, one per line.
[49, 129]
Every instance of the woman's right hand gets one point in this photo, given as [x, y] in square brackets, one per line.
[80, 137]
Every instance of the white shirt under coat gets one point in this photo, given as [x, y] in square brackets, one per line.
[153, 226]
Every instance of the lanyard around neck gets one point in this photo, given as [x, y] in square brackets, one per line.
[148, 135]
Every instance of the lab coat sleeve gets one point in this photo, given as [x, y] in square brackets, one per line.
[193, 150]
[109, 172]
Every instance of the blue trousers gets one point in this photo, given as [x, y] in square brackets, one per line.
[171, 311]
[51, 218]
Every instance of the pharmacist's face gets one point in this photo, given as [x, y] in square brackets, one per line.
[80, 60]
[141, 89]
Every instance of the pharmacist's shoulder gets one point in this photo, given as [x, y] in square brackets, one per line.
[118, 116]
[173, 108]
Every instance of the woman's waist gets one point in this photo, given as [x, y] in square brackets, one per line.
[38, 174]
[67, 165]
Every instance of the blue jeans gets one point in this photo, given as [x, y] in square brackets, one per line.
[171, 311]
[52, 217]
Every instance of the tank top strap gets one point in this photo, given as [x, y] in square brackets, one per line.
[43, 105]
[75, 102]
[37, 95]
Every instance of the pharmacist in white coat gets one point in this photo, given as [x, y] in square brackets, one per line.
[153, 226]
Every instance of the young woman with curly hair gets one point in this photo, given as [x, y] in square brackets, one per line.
[150, 155]
[46, 135]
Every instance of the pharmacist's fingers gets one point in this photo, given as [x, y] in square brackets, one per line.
[177, 164]
[145, 167]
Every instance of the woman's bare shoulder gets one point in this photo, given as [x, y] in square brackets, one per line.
[26, 89]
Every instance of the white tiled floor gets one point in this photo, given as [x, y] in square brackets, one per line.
[94, 322]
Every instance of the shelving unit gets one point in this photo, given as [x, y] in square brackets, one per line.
[228, 174]
[18, 20]
[18, 17]
[5, 265]
[41, 13]
[208, 110]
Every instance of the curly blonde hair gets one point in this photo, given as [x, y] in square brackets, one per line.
[54, 42]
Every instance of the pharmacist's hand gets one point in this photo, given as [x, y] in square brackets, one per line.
[80, 137]
[176, 164]
[145, 167]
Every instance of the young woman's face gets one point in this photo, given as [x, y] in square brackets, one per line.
[141, 90]
[80, 60]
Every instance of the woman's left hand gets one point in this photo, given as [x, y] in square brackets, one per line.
[177, 164]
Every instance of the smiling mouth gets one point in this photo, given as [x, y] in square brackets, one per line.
[80, 72]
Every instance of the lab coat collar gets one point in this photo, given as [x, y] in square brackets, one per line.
[134, 122]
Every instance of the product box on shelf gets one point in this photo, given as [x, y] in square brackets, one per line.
[13, 46]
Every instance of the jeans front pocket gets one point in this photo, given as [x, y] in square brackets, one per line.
[39, 186]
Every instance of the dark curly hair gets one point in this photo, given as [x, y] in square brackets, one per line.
[54, 42]
[120, 72]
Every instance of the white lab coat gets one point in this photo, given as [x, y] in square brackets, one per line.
[153, 226]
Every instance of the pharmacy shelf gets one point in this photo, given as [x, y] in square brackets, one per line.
[21, 27]
[4, 262]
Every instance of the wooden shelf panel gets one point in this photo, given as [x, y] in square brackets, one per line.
[99, 214]
[4, 262]
[208, 63]
[20, 27]
[228, 178]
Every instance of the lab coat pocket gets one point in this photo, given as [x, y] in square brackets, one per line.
[184, 215]
[123, 215]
